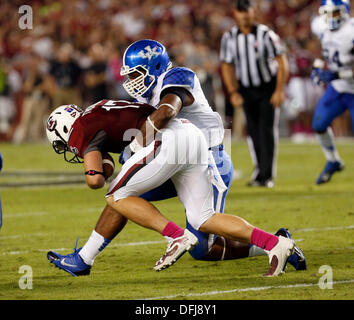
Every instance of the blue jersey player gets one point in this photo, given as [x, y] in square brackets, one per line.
[176, 92]
[335, 29]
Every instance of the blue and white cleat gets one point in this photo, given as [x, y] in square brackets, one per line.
[297, 259]
[329, 170]
[71, 263]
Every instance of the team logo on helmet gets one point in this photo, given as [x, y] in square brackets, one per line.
[51, 124]
[150, 53]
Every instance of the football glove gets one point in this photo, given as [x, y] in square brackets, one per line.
[125, 155]
[319, 76]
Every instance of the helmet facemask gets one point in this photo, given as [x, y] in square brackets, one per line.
[61, 147]
[136, 86]
[58, 130]
[148, 59]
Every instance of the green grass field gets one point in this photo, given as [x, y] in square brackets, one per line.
[38, 217]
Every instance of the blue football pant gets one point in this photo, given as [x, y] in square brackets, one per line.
[331, 105]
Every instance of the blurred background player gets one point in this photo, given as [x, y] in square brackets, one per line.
[254, 70]
[336, 33]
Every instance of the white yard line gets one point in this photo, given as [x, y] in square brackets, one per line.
[237, 290]
[323, 229]
[41, 213]
[142, 243]
[26, 235]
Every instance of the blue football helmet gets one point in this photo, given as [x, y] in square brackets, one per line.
[335, 12]
[148, 59]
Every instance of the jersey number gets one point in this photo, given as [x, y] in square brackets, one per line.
[334, 59]
[111, 104]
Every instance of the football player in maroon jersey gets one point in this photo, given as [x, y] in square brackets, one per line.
[108, 126]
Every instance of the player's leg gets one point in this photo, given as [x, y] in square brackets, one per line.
[122, 194]
[224, 165]
[328, 108]
[143, 171]
[268, 124]
[213, 247]
[78, 263]
[109, 224]
[138, 177]
[348, 100]
[195, 192]
[236, 228]
[165, 191]
[251, 110]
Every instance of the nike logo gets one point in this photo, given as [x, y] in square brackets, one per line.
[66, 264]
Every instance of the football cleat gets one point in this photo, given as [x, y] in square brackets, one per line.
[329, 170]
[255, 183]
[297, 259]
[176, 248]
[71, 263]
[279, 255]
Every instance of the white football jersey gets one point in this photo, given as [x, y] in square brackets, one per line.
[337, 49]
[199, 113]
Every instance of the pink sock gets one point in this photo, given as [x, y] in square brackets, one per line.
[263, 240]
[172, 230]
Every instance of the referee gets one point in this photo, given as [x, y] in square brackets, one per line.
[254, 70]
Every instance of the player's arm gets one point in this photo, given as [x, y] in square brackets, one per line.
[278, 96]
[229, 79]
[94, 170]
[95, 178]
[172, 100]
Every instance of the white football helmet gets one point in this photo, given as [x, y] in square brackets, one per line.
[58, 129]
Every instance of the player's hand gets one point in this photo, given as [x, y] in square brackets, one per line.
[125, 155]
[236, 100]
[278, 98]
[319, 76]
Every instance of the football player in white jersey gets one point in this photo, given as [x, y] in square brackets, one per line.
[176, 92]
[335, 29]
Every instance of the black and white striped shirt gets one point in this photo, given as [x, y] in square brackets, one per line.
[252, 54]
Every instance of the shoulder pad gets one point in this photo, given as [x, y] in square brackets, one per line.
[182, 77]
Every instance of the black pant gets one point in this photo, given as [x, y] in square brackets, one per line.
[260, 120]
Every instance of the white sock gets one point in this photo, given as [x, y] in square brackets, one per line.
[256, 251]
[94, 245]
[326, 141]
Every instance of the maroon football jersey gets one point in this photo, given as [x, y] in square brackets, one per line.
[115, 118]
